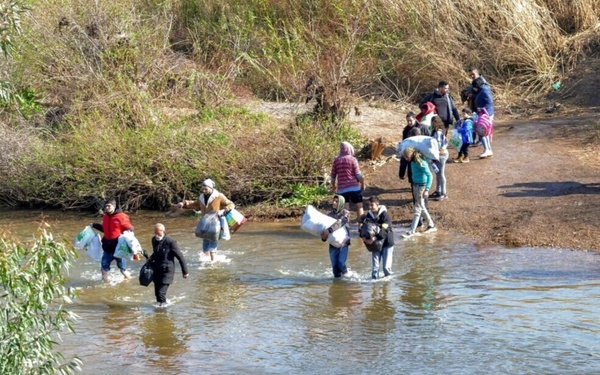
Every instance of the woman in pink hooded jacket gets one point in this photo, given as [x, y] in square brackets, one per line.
[346, 178]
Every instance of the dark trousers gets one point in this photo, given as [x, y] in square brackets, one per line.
[160, 291]
[464, 150]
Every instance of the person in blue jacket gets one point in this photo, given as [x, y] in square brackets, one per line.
[465, 128]
[484, 99]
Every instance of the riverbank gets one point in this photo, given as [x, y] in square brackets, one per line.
[540, 188]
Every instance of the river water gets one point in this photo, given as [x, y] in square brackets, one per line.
[269, 305]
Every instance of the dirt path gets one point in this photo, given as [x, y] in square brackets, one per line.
[541, 187]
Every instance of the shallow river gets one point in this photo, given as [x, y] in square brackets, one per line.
[269, 305]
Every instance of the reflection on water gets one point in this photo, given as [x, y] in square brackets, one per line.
[271, 306]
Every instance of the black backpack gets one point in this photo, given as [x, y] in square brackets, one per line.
[369, 230]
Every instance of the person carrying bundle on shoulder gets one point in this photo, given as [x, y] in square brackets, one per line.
[338, 255]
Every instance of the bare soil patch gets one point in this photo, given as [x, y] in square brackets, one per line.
[540, 188]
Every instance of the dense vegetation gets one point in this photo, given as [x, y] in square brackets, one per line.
[140, 98]
[32, 298]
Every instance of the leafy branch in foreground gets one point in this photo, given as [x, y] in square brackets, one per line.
[32, 314]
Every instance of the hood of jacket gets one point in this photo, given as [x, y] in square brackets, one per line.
[341, 202]
[346, 149]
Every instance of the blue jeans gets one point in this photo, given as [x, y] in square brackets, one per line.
[107, 259]
[209, 246]
[384, 256]
[338, 258]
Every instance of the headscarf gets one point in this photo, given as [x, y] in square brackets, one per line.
[341, 202]
[208, 183]
[346, 149]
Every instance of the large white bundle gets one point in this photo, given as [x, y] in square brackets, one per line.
[315, 222]
[428, 146]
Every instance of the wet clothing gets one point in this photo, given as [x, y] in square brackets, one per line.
[382, 258]
[210, 203]
[381, 217]
[163, 257]
[338, 255]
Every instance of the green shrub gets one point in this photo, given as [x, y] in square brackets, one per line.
[32, 295]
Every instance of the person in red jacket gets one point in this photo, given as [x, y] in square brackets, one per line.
[114, 223]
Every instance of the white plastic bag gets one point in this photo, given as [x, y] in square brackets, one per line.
[456, 139]
[209, 227]
[132, 242]
[426, 145]
[338, 238]
[84, 237]
[123, 250]
[315, 222]
[224, 235]
[94, 248]
[127, 245]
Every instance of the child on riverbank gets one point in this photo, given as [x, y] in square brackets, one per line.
[422, 180]
[465, 128]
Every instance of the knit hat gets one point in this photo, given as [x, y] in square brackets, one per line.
[208, 183]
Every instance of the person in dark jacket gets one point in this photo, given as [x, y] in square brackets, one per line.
[114, 223]
[444, 104]
[484, 99]
[379, 215]
[164, 252]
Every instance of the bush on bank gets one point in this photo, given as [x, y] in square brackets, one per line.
[140, 99]
[32, 295]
